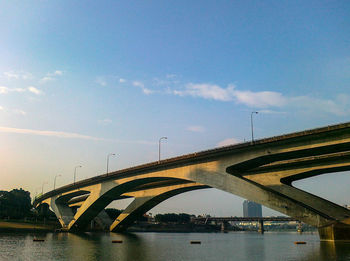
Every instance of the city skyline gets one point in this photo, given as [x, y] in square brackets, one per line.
[78, 82]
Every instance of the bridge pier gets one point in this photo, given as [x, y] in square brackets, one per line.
[261, 229]
[224, 226]
[335, 232]
[300, 228]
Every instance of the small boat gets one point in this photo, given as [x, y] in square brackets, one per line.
[38, 239]
[117, 241]
[195, 242]
[300, 242]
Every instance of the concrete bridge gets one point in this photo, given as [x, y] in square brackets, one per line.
[261, 171]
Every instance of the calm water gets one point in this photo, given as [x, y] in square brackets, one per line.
[174, 246]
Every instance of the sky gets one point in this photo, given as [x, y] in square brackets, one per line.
[80, 80]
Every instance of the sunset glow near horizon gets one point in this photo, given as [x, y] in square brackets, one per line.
[81, 80]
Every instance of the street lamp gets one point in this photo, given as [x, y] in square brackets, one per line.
[54, 182]
[251, 123]
[162, 138]
[42, 187]
[75, 171]
[110, 154]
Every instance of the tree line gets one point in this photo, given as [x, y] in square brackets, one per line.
[15, 204]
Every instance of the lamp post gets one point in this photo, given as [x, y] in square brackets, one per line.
[75, 172]
[251, 123]
[54, 182]
[42, 187]
[162, 138]
[110, 154]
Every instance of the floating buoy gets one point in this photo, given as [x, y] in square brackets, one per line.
[196, 242]
[300, 242]
[117, 241]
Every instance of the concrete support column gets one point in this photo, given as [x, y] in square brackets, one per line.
[335, 232]
[299, 228]
[224, 226]
[63, 213]
[261, 227]
[129, 214]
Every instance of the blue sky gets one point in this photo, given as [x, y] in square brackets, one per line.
[79, 80]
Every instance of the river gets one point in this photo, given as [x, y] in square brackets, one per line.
[170, 246]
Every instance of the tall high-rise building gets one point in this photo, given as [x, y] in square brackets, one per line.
[251, 209]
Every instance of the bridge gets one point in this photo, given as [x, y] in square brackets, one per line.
[262, 171]
[224, 221]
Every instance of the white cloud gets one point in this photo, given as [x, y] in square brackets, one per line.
[34, 90]
[138, 84]
[11, 75]
[121, 80]
[18, 75]
[260, 99]
[207, 91]
[271, 112]
[339, 107]
[46, 79]
[101, 81]
[214, 92]
[58, 134]
[170, 76]
[5, 90]
[195, 128]
[105, 121]
[2, 108]
[68, 135]
[143, 88]
[19, 112]
[50, 76]
[227, 142]
[147, 91]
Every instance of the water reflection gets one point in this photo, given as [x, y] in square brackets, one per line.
[335, 251]
[166, 246]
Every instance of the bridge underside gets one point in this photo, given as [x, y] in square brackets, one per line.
[262, 172]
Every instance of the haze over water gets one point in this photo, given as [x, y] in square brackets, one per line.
[171, 246]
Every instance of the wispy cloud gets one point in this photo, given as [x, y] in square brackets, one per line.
[339, 106]
[5, 90]
[69, 135]
[101, 81]
[265, 100]
[207, 91]
[51, 76]
[58, 72]
[105, 121]
[227, 142]
[215, 92]
[122, 80]
[18, 75]
[195, 128]
[20, 112]
[34, 90]
[58, 134]
[46, 79]
[31, 89]
[142, 86]
[272, 112]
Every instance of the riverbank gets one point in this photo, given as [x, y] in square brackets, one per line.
[13, 226]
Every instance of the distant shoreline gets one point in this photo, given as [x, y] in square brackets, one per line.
[13, 226]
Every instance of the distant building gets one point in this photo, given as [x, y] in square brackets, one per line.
[251, 209]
